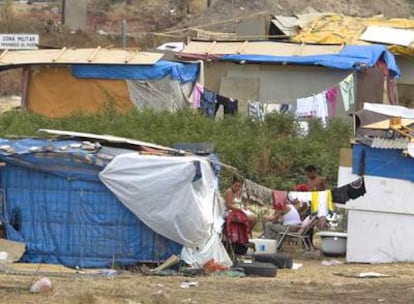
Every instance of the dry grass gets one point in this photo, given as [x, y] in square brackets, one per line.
[313, 283]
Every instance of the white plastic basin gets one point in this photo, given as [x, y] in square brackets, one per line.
[333, 243]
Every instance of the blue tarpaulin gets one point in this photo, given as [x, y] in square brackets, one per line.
[388, 163]
[65, 158]
[183, 72]
[350, 57]
[52, 200]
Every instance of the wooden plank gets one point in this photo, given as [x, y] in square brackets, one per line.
[385, 124]
[211, 47]
[130, 57]
[94, 54]
[3, 54]
[299, 50]
[59, 54]
[243, 46]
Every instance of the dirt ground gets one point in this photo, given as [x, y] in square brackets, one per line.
[312, 283]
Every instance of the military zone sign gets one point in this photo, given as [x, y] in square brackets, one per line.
[19, 41]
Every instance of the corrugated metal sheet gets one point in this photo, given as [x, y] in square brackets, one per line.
[383, 143]
[108, 138]
[78, 56]
[388, 35]
[285, 24]
[259, 48]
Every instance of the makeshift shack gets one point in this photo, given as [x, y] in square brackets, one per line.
[56, 83]
[282, 73]
[379, 223]
[97, 201]
[328, 28]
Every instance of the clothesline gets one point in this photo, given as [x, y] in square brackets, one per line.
[265, 196]
[318, 105]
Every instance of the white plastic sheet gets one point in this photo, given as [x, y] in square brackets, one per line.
[213, 249]
[390, 110]
[174, 196]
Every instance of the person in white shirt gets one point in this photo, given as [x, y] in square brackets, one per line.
[285, 215]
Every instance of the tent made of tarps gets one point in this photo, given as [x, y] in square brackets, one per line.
[56, 91]
[57, 83]
[88, 205]
[331, 56]
[350, 58]
[281, 73]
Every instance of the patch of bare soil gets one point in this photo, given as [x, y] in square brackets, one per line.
[313, 283]
[220, 10]
[9, 103]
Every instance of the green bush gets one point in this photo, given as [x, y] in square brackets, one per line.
[272, 153]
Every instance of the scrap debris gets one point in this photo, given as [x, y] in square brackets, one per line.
[362, 275]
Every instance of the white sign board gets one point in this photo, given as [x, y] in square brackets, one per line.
[388, 35]
[19, 41]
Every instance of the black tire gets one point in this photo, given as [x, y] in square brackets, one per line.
[258, 269]
[280, 260]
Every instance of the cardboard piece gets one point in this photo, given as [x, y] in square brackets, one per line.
[15, 250]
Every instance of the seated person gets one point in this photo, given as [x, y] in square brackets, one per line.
[233, 200]
[285, 215]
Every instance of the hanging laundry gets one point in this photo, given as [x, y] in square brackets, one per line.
[321, 107]
[230, 105]
[356, 188]
[198, 91]
[255, 110]
[340, 195]
[321, 203]
[257, 193]
[349, 191]
[347, 91]
[392, 91]
[208, 102]
[285, 108]
[389, 83]
[302, 197]
[331, 98]
[271, 108]
[303, 128]
[306, 107]
[279, 197]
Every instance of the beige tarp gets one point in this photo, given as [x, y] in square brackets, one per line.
[339, 29]
[54, 92]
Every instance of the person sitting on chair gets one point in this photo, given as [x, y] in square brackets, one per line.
[233, 199]
[285, 215]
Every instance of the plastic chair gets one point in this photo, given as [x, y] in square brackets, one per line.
[302, 235]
